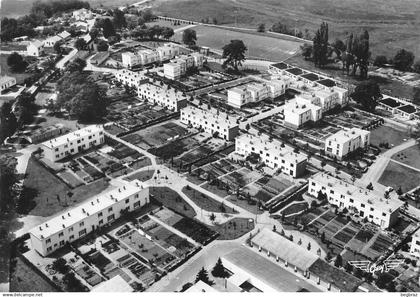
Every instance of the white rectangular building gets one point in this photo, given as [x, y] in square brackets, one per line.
[82, 14]
[146, 56]
[88, 217]
[255, 92]
[167, 51]
[368, 204]
[73, 143]
[35, 48]
[162, 95]
[344, 142]
[130, 78]
[273, 153]
[211, 121]
[415, 244]
[49, 42]
[300, 111]
[6, 82]
[179, 66]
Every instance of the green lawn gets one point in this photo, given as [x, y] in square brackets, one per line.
[233, 228]
[409, 156]
[20, 77]
[25, 279]
[294, 208]
[259, 46]
[396, 175]
[172, 200]
[205, 202]
[243, 203]
[48, 186]
[388, 134]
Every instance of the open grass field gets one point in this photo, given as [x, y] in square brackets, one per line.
[205, 202]
[409, 156]
[25, 279]
[234, 228]
[172, 200]
[391, 24]
[396, 175]
[259, 46]
[48, 186]
[388, 134]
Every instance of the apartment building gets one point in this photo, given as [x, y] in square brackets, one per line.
[163, 95]
[415, 244]
[73, 143]
[146, 56]
[301, 110]
[35, 48]
[49, 42]
[130, 78]
[255, 92]
[88, 217]
[344, 142]
[211, 121]
[273, 153]
[368, 204]
[6, 82]
[179, 66]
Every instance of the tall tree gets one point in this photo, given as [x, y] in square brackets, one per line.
[204, 277]
[80, 44]
[119, 19]
[403, 60]
[16, 62]
[367, 94]
[189, 37]
[108, 28]
[234, 53]
[219, 270]
[8, 122]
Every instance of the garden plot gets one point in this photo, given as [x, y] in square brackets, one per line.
[106, 165]
[147, 249]
[195, 230]
[203, 79]
[241, 178]
[345, 235]
[360, 240]
[323, 220]
[295, 209]
[122, 152]
[70, 178]
[83, 270]
[175, 148]
[156, 136]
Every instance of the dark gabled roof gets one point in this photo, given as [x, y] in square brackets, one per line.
[310, 76]
[390, 102]
[295, 71]
[327, 82]
[407, 108]
[280, 65]
[337, 277]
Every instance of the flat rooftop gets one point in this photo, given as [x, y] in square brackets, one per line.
[86, 209]
[115, 284]
[346, 135]
[213, 113]
[310, 76]
[280, 65]
[84, 132]
[407, 108]
[266, 271]
[284, 249]
[295, 71]
[327, 82]
[372, 198]
[390, 102]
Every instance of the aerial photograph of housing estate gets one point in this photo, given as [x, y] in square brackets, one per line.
[214, 146]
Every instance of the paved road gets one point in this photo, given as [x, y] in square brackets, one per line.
[377, 168]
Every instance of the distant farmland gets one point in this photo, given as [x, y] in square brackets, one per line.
[392, 24]
[271, 48]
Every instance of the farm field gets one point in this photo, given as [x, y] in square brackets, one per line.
[259, 46]
[396, 175]
[388, 30]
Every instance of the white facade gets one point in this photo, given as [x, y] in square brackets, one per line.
[255, 92]
[82, 14]
[212, 121]
[162, 95]
[6, 82]
[415, 244]
[49, 42]
[35, 48]
[272, 153]
[146, 56]
[301, 110]
[130, 78]
[178, 67]
[369, 204]
[73, 143]
[346, 141]
[87, 217]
